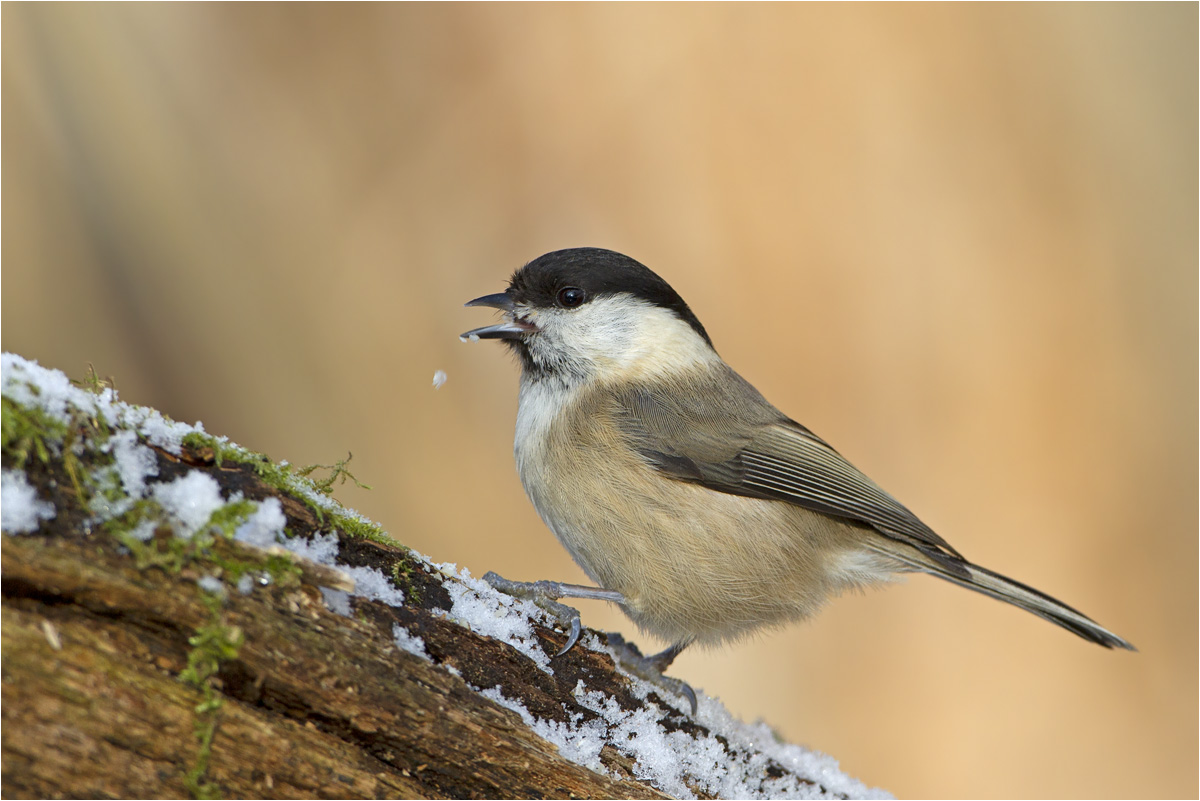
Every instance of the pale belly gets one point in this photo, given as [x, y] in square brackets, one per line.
[692, 563]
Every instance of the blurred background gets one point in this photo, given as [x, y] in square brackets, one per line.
[957, 241]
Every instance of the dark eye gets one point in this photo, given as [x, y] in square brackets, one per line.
[571, 296]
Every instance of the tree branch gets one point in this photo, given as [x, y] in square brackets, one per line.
[143, 660]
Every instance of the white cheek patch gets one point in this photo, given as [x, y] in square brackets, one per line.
[618, 332]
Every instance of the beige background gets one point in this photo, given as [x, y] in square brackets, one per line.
[959, 242]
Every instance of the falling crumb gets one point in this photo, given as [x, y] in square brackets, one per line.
[439, 378]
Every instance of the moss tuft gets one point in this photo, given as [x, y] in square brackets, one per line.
[338, 473]
[213, 644]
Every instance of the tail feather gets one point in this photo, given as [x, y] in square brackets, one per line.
[1002, 588]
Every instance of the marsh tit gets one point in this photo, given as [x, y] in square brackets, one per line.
[695, 504]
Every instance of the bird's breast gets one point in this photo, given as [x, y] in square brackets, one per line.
[693, 563]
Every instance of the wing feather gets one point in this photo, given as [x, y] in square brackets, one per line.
[741, 444]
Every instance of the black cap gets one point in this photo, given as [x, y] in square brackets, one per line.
[597, 272]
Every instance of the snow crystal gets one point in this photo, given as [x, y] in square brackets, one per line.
[134, 462]
[368, 582]
[263, 527]
[337, 601]
[54, 392]
[373, 584]
[682, 764]
[672, 760]
[211, 584]
[144, 530]
[493, 614]
[161, 431]
[409, 642]
[758, 741]
[322, 548]
[21, 511]
[56, 396]
[190, 500]
[580, 743]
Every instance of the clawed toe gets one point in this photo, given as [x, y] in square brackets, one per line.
[650, 668]
[543, 594]
[546, 594]
[576, 628]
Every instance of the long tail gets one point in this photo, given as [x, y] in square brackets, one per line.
[980, 579]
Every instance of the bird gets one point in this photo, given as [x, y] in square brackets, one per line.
[696, 505]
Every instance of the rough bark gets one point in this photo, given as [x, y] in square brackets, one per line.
[150, 654]
[313, 704]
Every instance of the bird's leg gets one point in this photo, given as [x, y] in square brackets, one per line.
[663, 659]
[650, 668]
[546, 594]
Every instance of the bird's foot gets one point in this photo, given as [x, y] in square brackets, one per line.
[546, 594]
[650, 668]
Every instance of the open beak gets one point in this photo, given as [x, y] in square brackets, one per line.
[512, 328]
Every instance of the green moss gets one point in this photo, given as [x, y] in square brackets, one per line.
[354, 527]
[32, 434]
[171, 553]
[213, 644]
[338, 473]
[266, 469]
[205, 728]
[402, 571]
[93, 383]
[197, 440]
[29, 433]
[293, 482]
[163, 550]
[280, 567]
[231, 515]
[225, 451]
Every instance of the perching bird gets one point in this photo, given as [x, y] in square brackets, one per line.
[695, 504]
